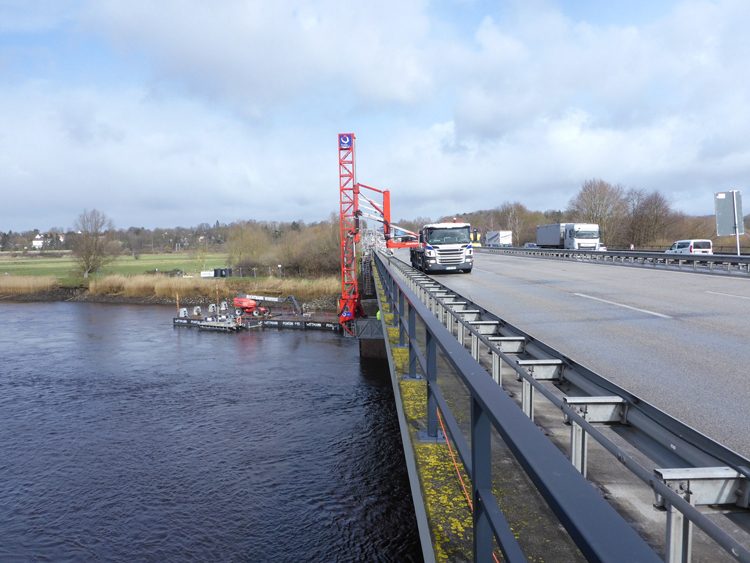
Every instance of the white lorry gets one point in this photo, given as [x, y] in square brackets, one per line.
[499, 238]
[443, 247]
[574, 236]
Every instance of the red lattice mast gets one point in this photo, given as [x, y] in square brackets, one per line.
[350, 306]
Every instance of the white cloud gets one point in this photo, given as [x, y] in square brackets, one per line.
[229, 110]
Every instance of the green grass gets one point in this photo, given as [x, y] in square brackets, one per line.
[64, 269]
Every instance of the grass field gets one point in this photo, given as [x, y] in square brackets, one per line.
[64, 270]
[126, 276]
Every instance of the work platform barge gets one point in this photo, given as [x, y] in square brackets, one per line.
[221, 320]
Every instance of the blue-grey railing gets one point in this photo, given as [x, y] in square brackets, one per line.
[597, 529]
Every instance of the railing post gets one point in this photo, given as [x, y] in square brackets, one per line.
[412, 342]
[481, 480]
[401, 328]
[431, 375]
[394, 311]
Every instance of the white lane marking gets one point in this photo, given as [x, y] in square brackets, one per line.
[621, 305]
[728, 294]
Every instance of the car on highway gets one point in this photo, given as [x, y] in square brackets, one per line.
[692, 246]
[530, 245]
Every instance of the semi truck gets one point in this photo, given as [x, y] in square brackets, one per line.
[499, 238]
[443, 247]
[573, 236]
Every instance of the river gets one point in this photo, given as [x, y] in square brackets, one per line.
[124, 439]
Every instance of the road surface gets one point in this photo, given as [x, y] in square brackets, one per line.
[678, 340]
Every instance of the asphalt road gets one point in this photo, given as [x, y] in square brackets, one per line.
[678, 340]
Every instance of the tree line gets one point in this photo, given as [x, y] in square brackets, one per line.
[303, 249]
[645, 219]
[639, 217]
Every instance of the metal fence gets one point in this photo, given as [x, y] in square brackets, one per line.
[707, 263]
[700, 473]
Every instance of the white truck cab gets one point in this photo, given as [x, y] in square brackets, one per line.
[444, 247]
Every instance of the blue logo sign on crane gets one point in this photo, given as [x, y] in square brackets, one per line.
[345, 140]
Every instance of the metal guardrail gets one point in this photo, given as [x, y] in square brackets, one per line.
[597, 529]
[710, 263]
[699, 471]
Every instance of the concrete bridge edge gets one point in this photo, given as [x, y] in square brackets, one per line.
[420, 511]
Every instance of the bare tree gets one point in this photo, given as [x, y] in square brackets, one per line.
[92, 244]
[511, 217]
[601, 203]
[649, 216]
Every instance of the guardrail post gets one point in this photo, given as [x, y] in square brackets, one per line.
[594, 410]
[497, 368]
[475, 346]
[481, 479]
[698, 486]
[679, 536]
[431, 375]
[579, 448]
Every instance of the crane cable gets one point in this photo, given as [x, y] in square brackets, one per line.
[458, 472]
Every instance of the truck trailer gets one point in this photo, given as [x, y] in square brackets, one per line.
[573, 236]
[499, 238]
[443, 247]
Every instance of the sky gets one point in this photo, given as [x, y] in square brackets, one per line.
[173, 113]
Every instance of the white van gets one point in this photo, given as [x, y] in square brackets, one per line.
[701, 246]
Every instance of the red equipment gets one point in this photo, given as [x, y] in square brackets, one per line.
[350, 306]
[249, 306]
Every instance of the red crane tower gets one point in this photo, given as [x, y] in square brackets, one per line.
[350, 306]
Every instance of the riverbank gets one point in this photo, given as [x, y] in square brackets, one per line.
[321, 303]
[312, 295]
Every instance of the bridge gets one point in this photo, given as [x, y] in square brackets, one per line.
[569, 410]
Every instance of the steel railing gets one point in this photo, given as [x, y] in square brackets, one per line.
[591, 401]
[710, 263]
[597, 529]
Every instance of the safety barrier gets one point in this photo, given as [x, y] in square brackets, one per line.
[709, 263]
[702, 472]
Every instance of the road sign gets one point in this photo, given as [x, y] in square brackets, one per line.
[729, 219]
